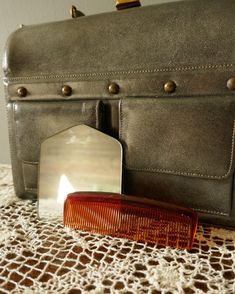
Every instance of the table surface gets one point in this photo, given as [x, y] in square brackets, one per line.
[44, 257]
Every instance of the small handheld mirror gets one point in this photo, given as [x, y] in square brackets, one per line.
[77, 159]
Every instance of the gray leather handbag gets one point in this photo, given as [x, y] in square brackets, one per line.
[159, 78]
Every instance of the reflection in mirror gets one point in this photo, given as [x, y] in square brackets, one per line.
[77, 159]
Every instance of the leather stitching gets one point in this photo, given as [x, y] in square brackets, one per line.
[30, 190]
[98, 114]
[175, 172]
[29, 162]
[13, 152]
[24, 178]
[127, 72]
[210, 211]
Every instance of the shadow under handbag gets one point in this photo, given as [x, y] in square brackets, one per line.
[158, 78]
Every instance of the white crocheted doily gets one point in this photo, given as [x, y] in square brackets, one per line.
[43, 257]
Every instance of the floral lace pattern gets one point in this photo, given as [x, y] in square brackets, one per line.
[38, 256]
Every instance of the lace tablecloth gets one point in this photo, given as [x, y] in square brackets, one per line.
[43, 257]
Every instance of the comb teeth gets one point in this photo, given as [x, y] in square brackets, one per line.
[131, 217]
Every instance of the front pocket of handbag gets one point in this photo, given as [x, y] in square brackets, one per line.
[180, 150]
[36, 121]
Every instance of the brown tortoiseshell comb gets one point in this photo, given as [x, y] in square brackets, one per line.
[134, 218]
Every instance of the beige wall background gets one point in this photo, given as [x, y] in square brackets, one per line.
[16, 12]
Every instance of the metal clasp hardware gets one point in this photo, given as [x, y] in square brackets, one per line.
[74, 13]
[124, 4]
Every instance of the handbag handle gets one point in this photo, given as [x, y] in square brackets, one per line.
[120, 4]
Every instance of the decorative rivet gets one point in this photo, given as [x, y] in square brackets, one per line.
[170, 87]
[66, 90]
[113, 88]
[22, 92]
[231, 83]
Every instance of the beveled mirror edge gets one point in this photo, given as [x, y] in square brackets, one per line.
[64, 130]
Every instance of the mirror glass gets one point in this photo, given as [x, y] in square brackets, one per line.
[77, 159]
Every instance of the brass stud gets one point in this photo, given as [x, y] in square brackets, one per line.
[22, 92]
[170, 87]
[231, 84]
[114, 88]
[66, 90]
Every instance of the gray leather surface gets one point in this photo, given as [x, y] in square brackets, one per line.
[191, 137]
[182, 34]
[35, 122]
[178, 147]
[31, 123]
[211, 197]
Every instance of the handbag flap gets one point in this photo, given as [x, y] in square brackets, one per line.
[178, 36]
